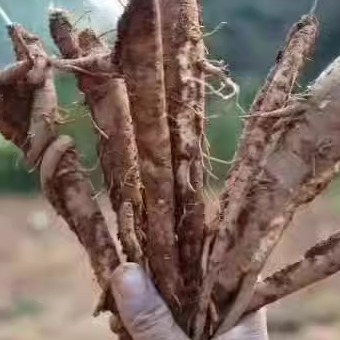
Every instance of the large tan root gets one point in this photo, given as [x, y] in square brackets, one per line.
[40, 78]
[295, 171]
[27, 113]
[71, 194]
[183, 49]
[109, 105]
[139, 34]
[251, 152]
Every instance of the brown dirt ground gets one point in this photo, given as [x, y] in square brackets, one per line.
[47, 289]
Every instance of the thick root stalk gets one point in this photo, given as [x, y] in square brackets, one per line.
[299, 166]
[183, 49]
[253, 148]
[139, 56]
[109, 105]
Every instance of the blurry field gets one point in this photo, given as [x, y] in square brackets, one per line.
[47, 289]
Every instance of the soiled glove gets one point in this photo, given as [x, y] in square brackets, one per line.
[146, 316]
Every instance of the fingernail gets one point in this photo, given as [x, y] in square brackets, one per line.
[134, 291]
[129, 280]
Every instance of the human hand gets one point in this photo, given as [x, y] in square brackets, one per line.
[146, 316]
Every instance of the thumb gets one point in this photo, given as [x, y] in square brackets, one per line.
[143, 312]
[251, 327]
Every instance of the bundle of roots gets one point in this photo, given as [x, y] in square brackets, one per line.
[146, 96]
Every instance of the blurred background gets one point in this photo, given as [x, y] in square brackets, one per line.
[47, 289]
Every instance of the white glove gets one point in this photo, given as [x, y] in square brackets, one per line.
[146, 316]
